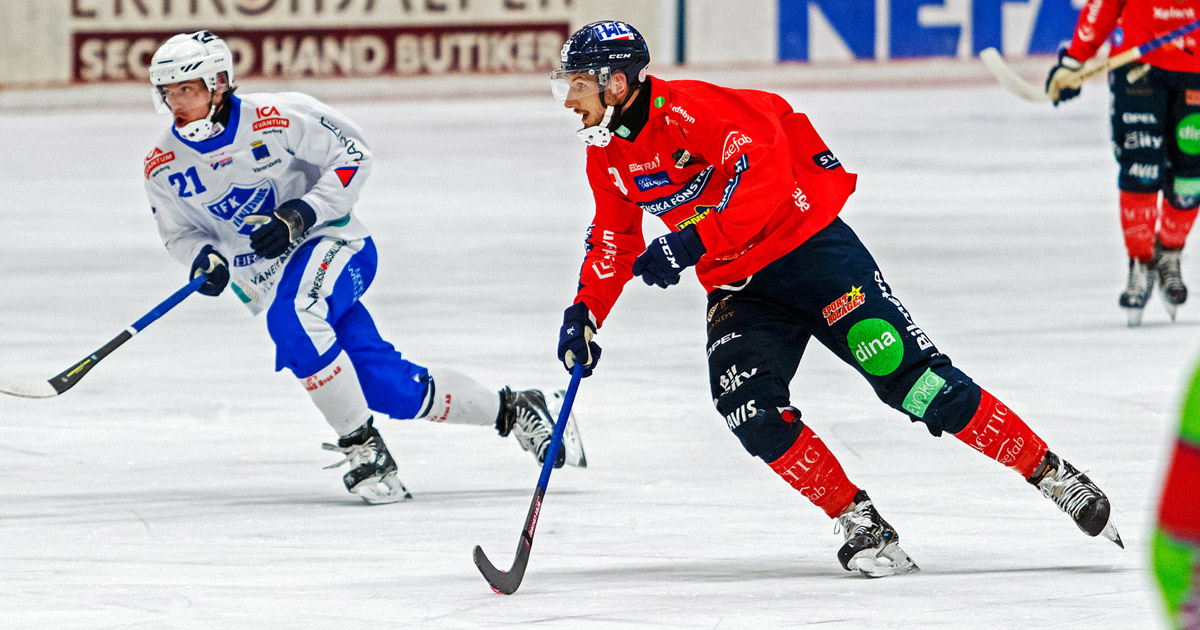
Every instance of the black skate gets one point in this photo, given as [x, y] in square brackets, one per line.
[1166, 265]
[1076, 495]
[372, 473]
[526, 415]
[872, 546]
[1137, 291]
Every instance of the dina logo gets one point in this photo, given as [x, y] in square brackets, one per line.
[876, 345]
[240, 202]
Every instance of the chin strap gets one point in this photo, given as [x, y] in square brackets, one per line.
[600, 135]
[204, 128]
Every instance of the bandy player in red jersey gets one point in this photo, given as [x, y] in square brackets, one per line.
[1155, 133]
[750, 195]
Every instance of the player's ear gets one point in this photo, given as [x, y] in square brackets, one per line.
[618, 87]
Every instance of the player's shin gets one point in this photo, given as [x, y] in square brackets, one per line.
[872, 546]
[456, 398]
[335, 390]
[998, 433]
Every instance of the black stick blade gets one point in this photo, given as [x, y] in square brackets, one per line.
[503, 582]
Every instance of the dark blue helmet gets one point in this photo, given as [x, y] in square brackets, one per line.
[606, 47]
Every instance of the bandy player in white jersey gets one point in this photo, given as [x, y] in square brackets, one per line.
[257, 192]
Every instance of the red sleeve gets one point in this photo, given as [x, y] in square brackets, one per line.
[614, 240]
[742, 137]
[1096, 21]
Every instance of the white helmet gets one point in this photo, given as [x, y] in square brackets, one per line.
[187, 56]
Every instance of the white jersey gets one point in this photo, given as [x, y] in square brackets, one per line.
[277, 147]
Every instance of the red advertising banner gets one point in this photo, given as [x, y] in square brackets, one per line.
[107, 56]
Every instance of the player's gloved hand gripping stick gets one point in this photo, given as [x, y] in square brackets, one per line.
[1035, 93]
[71, 375]
[506, 582]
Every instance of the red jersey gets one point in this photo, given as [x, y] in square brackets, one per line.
[1137, 22]
[752, 175]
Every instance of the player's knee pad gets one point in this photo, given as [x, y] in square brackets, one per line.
[1185, 193]
[942, 397]
[755, 412]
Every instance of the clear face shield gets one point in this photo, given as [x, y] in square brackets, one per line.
[577, 84]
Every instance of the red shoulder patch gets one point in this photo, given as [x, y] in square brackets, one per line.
[346, 173]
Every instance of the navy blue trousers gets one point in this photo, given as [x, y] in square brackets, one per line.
[831, 289]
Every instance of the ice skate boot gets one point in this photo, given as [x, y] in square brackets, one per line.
[525, 415]
[1166, 265]
[1137, 291]
[872, 546]
[572, 441]
[372, 473]
[1076, 495]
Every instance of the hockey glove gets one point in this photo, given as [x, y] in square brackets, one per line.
[211, 262]
[575, 339]
[1064, 81]
[667, 257]
[289, 222]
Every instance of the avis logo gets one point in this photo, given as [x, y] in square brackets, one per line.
[743, 413]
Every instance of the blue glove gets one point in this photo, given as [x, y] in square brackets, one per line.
[277, 231]
[1063, 83]
[575, 339]
[668, 255]
[210, 261]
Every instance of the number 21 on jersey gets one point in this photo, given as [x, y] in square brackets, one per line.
[180, 180]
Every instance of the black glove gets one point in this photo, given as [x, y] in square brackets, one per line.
[668, 255]
[575, 339]
[210, 261]
[289, 222]
[1063, 83]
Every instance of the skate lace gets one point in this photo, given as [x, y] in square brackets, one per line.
[1168, 266]
[531, 429]
[1139, 279]
[1068, 492]
[852, 523]
[356, 454]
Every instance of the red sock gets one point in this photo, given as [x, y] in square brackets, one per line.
[1176, 224]
[996, 431]
[1139, 213]
[812, 469]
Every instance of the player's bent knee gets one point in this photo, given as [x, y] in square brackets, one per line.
[758, 414]
[1185, 193]
[944, 398]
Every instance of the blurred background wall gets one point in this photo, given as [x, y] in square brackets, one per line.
[45, 43]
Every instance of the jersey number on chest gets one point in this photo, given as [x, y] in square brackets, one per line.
[188, 182]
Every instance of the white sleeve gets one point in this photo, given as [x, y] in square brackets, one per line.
[335, 147]
[181, 237]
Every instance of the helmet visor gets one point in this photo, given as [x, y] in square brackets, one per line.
[574, 84]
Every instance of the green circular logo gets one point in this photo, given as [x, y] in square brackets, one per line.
[1187, 134]
[659, 102]
[876, 345]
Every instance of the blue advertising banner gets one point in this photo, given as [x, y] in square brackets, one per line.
[856, 24]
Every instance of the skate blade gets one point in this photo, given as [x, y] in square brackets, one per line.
[382, 490]
[891, 560]
[1171, 308]
[1110, 532]
[572, 443]
[1133, 316]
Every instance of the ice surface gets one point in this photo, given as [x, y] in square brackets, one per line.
[180, 485]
